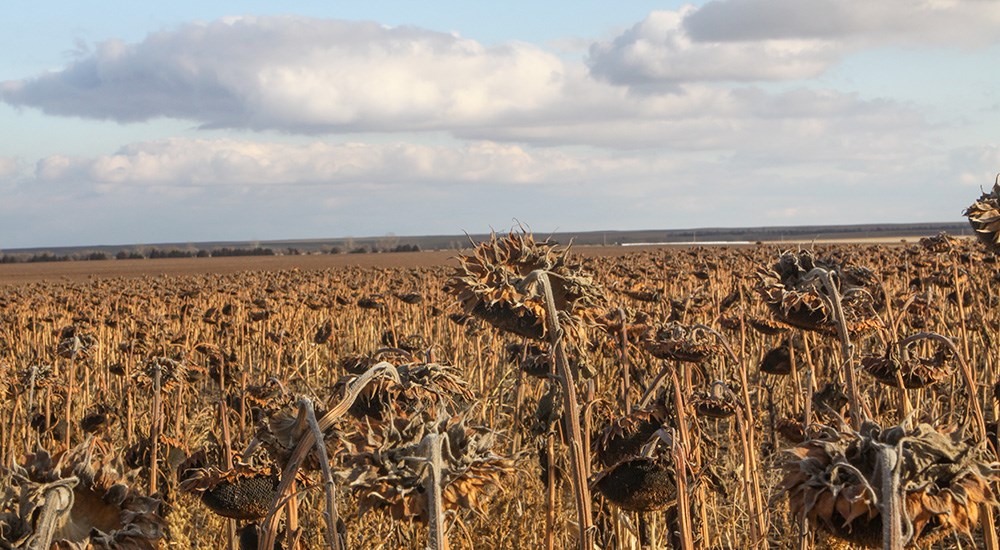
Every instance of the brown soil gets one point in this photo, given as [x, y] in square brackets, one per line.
[22, 273]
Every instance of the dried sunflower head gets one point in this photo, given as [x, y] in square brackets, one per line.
[282, 430]
[798, 298]
[939, 244]
[778, 360]
[388, 468]
[719, 402]
[679, 342]
[75, 344]
[636, 324]
[493, 283]
[624, 437]
[242, 492]
[835, 482]
[106, 509]
[984, 217]
[172, 373]
[897, 366]
[421, 384]
[640, 484]
[767, 326]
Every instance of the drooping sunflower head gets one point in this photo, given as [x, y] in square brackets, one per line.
[640, 484]
[834, 480]
[896, 367]
[796, 296]
[242, 492]
[105, 507]
[984, 217]
[678, 342]
[388, 470]
[495, 284]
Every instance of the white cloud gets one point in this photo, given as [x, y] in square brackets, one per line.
[300, 75]
[202, 162]
[659, 51]
[770, 40]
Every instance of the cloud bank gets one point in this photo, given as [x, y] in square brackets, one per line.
[703, 116]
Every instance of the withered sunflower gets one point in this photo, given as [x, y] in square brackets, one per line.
[104, 508]
[625, 436]
[835, 482]
[984, 217]
[387, 469]
[674, 341]
[639, 484]
[494, 284]
[897, 365]
[798, 298]
[243, 492]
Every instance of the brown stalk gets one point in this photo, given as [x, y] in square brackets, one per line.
[227, 457]
[680, 444]
[57, 499]
[577, 452]
[892, 501]
[154, 429]
[436, 537]
[847, 349]
[330, 488]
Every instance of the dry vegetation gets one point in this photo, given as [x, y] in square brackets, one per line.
[689, 398]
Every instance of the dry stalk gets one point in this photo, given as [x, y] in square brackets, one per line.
[847, 349]
[56, 502]
[154, 429]
[436, 537]
[330, 488]
[577, 452]
[892, 501]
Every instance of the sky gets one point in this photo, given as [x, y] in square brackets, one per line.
[140, 123]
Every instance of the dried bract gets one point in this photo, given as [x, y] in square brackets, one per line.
[107, 510]
[678, 342]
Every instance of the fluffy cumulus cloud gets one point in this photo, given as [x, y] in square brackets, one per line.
[659, 50]
[298, 74]
[762, 40]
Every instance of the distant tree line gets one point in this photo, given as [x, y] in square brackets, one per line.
[153, 253]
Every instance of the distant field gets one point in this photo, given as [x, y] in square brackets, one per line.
[20, 273]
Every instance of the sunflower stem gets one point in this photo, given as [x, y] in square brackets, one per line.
[892, 513]
[578, 454]
[436, 538]
[330, 488]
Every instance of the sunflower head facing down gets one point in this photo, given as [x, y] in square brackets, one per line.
[497, 283]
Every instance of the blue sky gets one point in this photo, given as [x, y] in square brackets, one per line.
[129, 122]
